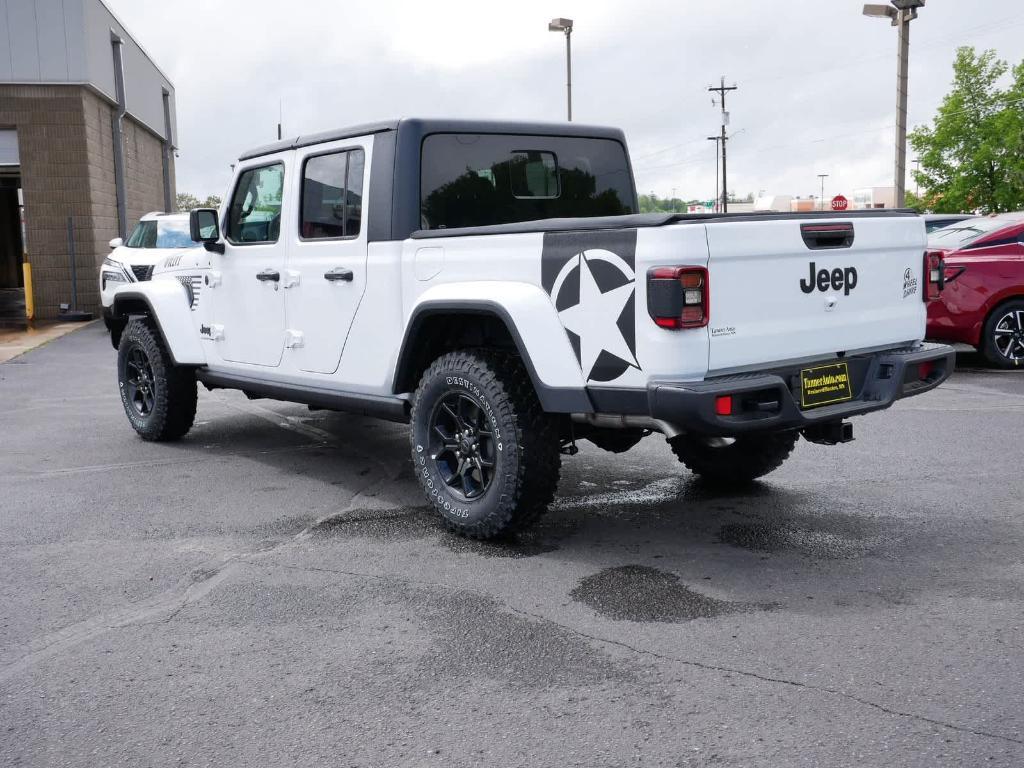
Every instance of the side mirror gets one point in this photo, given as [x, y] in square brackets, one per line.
[117, 242]
[205, 228]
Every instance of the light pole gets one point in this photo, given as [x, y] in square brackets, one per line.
[565, 25]
[821, 200]
[900, 13]
[716, 139]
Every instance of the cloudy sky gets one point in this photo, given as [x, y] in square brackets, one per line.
[816, 79]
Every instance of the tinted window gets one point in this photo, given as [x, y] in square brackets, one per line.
[478, 179]
[160, 233]
[255, 212]
[332, 195]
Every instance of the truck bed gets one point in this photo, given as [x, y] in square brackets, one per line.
[647, 220]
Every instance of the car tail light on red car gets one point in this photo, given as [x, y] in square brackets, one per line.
[678, 297]
[934, 275]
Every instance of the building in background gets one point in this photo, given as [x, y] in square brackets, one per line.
[87, 138]
[874, 197]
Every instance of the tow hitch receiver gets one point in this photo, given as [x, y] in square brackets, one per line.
[832, 433]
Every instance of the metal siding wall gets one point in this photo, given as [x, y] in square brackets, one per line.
[52, 41]
[5, 43]
[143, 81]
[24, 39]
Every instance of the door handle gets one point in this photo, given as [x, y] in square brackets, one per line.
[271, 275]
[338, 273]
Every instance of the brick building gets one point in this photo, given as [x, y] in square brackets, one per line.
[87, 136]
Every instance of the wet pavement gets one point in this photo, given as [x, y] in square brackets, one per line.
[272, 591]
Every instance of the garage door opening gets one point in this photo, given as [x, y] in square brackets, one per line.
[12, 244]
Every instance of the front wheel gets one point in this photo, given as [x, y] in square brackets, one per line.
[736, 460]
[485, 453]
[1003, 335]
[159, 397]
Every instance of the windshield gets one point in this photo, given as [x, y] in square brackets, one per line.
[160, 233]
[963, 232]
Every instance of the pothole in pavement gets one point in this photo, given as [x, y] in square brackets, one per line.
[400, 524]
[641, 593]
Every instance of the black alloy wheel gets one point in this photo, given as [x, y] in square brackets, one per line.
[140, 385]
[1008, 335]
[462, 445]
[1003, 335]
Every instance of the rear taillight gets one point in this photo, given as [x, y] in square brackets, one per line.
[678, 297]
[934, 275]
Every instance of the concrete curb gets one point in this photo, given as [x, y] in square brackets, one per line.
[16, 343]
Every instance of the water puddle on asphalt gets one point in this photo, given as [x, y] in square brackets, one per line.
[641, 593]
[410, 523]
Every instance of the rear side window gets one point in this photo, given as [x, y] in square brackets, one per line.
[470, 180]
[255, 212]
[332, 195]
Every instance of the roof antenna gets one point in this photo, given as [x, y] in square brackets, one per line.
[280, 114]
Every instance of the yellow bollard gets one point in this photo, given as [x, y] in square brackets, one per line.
[30, 305]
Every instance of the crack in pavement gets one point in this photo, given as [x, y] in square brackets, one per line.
[173, 601]
[654, 654]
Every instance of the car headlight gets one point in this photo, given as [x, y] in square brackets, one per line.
[108, 276]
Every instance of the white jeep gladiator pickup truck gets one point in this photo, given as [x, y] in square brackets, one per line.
[493, 285]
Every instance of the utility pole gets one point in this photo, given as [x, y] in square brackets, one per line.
[821, 200]
[717, 140]
[917, 184]
[722, 89]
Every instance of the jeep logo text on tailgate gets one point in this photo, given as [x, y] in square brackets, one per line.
[839, 279]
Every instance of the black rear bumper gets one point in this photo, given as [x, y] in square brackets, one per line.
[769, 401]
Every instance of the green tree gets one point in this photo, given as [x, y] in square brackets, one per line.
[185, 202]
[972, 155]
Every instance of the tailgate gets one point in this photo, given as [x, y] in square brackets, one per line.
[796, 288]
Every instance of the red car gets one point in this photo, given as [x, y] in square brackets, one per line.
[982, 303]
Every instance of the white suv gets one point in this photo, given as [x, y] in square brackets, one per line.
[155, 237]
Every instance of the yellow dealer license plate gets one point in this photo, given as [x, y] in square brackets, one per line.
[824, 385]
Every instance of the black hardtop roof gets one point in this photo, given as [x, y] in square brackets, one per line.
[424, 126]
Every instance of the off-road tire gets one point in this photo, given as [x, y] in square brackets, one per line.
[988, 340]
[173, 388]
[746, 459]
[526, 455]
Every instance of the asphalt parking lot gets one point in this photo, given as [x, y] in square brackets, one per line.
[271, 591]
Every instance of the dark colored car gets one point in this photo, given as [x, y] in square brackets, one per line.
[934, 221]
[982, 303]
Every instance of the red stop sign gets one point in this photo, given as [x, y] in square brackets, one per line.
[840, 203]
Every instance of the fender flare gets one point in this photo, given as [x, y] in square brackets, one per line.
[531, 322]
[167, 303]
